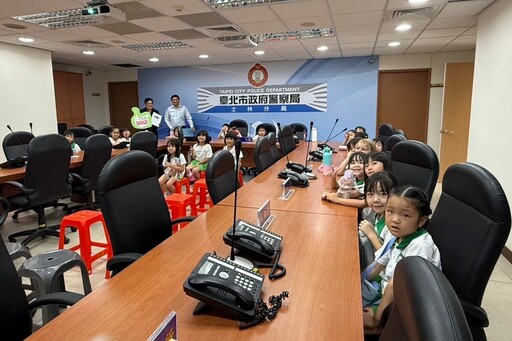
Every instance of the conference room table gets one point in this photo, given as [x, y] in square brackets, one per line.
[319, 250]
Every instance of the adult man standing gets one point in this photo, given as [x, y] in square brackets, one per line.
[176, 114]
[148, 106]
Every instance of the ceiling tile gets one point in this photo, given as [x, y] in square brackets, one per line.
[354, 6]
[161, 24]
[300, 9]
[367, 18]
[453, 22]
[249, 15]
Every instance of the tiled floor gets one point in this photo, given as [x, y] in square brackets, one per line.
[497, 299]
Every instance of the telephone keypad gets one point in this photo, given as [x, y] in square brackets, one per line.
[244, 282]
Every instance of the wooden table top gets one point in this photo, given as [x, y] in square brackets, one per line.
[320, 253]
[268, 186]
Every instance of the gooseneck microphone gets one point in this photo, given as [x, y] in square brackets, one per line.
[238, 148]
[206, 125]
[17, 139]
[309, 144]
[30, 124]
[322, 145]
[296, 167]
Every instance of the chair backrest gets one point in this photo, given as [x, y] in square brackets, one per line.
[269, 127]
[15, 317]
[385, 131]
[286, 139]
[98, 150]
[146, 141]
[301, 130]
[276, 154]
[242, 126]
[16, 144]
[393, 140]
[88, 126]
[425, 307]
[399, 131]
[262, 156]
[470, 226]
[415, 163]
[47, 170]
[221, 175]
[81, 134]
[105, 130]
[132, 203]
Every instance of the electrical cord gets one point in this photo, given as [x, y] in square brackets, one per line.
[273, 275]
[263, 312]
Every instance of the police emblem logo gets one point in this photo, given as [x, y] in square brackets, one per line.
[257, 76]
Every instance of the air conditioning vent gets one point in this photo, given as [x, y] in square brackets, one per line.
[219, 31]
[241, 41]
[412, 13]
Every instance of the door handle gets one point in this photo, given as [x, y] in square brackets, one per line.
[443, 131]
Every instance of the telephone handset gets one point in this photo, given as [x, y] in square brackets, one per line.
[224, 285]
[251, 239]
[299, 180]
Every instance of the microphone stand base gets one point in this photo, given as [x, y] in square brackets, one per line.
[242, 262]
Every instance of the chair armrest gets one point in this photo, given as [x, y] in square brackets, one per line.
[183, 220]
[16, 184]
[67, 298]
[475, 311]
[76, 176]
[122, 259]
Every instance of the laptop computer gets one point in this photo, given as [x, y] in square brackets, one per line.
[188, 134]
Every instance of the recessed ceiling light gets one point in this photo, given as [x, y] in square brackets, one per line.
[416, 1]
[89, 53]
[154, 60]
[26, 40]
[289, 35]
[204, 56]
[259, 52]
[403, 28]
[394, 43]
[322, 48]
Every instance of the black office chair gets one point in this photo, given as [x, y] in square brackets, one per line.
[146, 141]
[105, 130]
[276, 154]
[286, 139]
[47, 180]
[400, 131]
[221, 175]
[81, 134]
[301, 130]
[88, 126]
[16, 315]
[262, 155]
[133, 207]
[98, 150]
[425, 307]
[385, 131]
[415, 163]
[470, 226]
[61, 128]
[242, 126]
[392, 141]
[15, 145]
[269, 128]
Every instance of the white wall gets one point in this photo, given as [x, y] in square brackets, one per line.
[27, 95]
[491, 113]
[436, 62]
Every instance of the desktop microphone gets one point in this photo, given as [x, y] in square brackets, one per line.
[309, 144]
[19, 141]
[290, 165]
[318, 154]
[30, 124]
[322, 145]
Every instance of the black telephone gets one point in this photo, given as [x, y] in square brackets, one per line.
[224, 285]
[316, 155]
[253, 240]
[297, 179]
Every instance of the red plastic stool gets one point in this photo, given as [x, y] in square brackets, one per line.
[201, 191]
[241, 178]
[82, 220]
[177, 203]
[179, 184]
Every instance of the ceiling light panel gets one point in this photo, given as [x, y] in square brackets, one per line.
[292, 35]
[58, 19]
[164, 45]
[225, 4]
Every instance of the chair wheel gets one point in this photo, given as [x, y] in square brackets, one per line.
[15, 216]
[12, 240]
[73, 229]
[66, 240]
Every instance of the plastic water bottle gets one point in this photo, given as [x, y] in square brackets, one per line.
[346, 183]
[326, 166]
[314, 135]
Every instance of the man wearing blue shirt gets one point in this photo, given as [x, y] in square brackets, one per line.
[177, 115]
